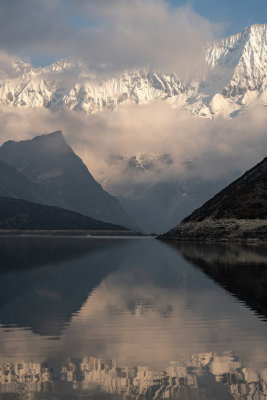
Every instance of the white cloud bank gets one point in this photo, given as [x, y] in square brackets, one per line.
[210, 149]
[110, 35]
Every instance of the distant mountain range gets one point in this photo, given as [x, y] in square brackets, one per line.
[237, 212]
[234, 80]
[156, 207]
[47, 171]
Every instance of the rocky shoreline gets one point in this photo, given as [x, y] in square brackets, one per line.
[228, 229]
[237, 213]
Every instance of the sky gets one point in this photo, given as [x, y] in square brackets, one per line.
[234, 14]
[120, 32]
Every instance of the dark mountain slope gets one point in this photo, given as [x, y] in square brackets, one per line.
[237, 212]
[16, 214]
[244, 198]
[15, 185]
[50, 162]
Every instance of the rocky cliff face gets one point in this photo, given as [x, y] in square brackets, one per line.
[237, 212]
[235, 79]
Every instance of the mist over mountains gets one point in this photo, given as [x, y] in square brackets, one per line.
[162, 144]
[238, 212]
[59, 176]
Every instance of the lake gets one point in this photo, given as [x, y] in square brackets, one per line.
[132, 318]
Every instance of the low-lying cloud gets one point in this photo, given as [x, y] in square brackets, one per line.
[178, 146]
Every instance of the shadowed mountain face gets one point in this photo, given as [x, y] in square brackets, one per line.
[244, 198]
[15, 185]
[25, 215]
[237, 212]
[50, 162]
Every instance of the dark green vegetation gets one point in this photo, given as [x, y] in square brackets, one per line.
[16, 214]
[61, 177]
[239, 212]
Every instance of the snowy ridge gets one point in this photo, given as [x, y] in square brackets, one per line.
[236, 79]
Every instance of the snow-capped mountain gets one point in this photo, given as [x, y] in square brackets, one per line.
[235, 79]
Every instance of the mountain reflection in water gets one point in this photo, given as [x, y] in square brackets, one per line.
[203, 376]
[121, 318]
[240, 268]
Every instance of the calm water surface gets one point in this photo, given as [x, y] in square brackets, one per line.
[84, 318]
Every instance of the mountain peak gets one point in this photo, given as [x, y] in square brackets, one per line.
[258, 32]
[249, 31]
[53, 141]
[56, 134]
[257, 27]
[49, 161]
[234, 81]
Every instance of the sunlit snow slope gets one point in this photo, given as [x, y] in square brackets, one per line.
[235, 79]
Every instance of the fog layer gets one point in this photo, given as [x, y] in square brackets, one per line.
[210, 149]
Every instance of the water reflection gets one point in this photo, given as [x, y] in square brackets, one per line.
[44, 281]
[240, 268]
[203, 376]
[131, 319]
